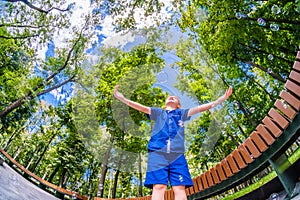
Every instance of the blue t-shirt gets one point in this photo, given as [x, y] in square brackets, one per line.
[168, 131]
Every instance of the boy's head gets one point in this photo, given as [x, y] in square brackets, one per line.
[173, 101]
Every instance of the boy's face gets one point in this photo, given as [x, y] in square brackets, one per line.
[173, 100]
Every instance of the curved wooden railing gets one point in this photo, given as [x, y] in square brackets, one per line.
[265, 146]
[59, 192]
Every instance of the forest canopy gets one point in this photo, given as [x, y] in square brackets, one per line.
[59, 67]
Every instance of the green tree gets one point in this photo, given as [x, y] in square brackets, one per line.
[34, 22]
[226, 41]
[134, 71]
[29, 25]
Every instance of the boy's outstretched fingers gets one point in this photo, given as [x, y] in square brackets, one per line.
[116, 89]
[228, 92]
[117, 94]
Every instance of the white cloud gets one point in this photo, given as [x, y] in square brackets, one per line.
[77, 20]
[121, 39]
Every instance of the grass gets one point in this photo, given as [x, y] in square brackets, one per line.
[293, 158]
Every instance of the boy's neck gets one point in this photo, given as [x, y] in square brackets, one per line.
[171, 108]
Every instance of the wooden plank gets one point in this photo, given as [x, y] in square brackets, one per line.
[187, 191]
[192, 191]
[293, 87]
[204, 181]
[167, 195]
[199, 183]
[290, 99]
[220, 172]
[226, 168]
[285, 109]
[260, 144]
[233, 166]
[238, 158]
[255, 153]
[272, 127]
[196, 188]
[278, 118]
[209, 178]
[172, 195]
[296, 65]
[295, 76]
[265, 134]
[245, 154]
[298, 55]
[214, 175]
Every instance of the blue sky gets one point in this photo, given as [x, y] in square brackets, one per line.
[105, 35]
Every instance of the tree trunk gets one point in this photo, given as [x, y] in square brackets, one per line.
[103, 173]
[114, 191]
[53, 173]
[46, 172]
[140, 175]
[42, 155]
[11, 138]
[233, 139]
[30, 161]
[17, 152]
[62, 177]
[276, 76]
[29, 96]
[11, 107]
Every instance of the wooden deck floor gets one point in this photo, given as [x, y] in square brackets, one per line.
[15, 187]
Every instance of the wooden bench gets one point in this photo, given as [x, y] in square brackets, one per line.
[265, 145]
[59, 192]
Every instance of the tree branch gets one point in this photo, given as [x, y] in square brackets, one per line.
[26, 2]
[29, 96]
[56, 86]
[276, 76]
[66, 62]
[18, 37]
[19, 26]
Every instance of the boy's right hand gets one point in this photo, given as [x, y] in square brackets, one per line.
[117, 94]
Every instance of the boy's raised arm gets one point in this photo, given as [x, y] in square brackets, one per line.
[210, 105]
[130, 103]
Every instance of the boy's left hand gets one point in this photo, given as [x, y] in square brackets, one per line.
[226, 95]
[228, 92]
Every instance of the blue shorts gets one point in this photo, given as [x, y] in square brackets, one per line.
[165, 167]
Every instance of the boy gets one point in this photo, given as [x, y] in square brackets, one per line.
[166, 161]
